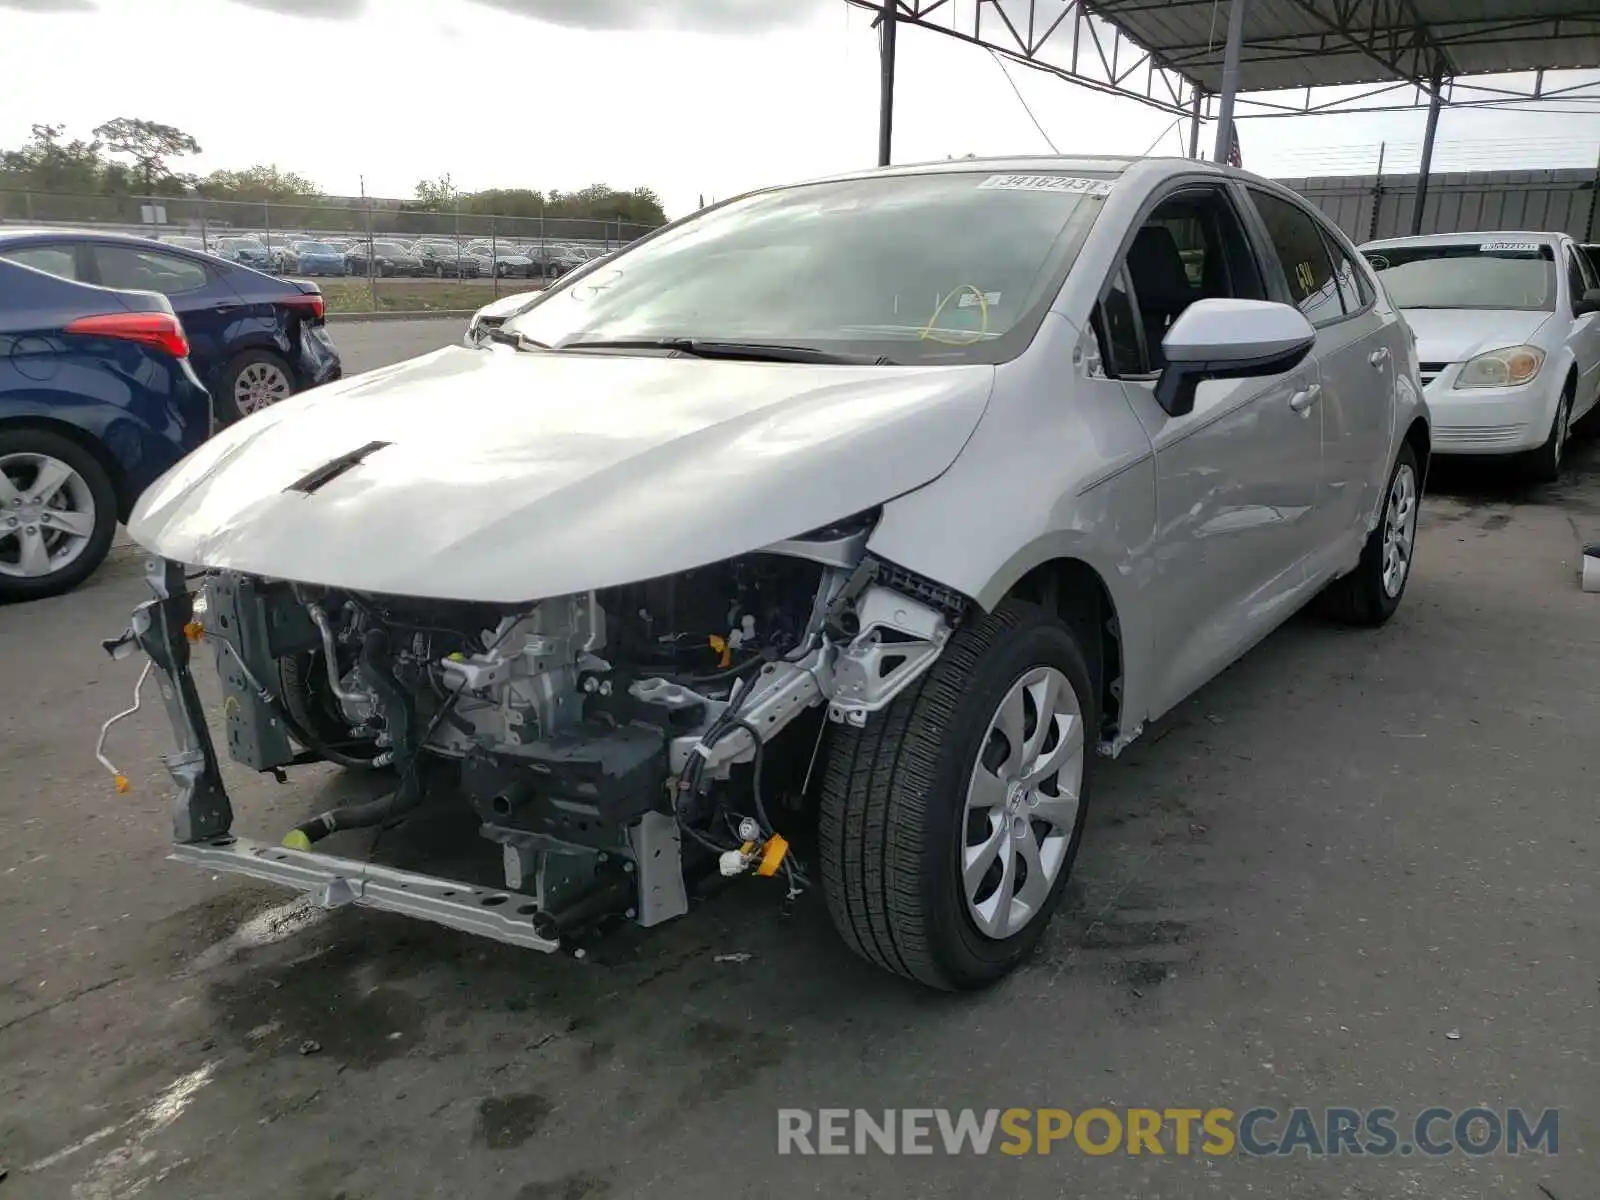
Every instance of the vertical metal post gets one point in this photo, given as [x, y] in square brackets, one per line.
[1230, 78]
[1435, 102]
[1594, 203]
[205, 242]
[886, 40]
[1194, 124]
[1377, 194]
[494, 258]
[372, 282]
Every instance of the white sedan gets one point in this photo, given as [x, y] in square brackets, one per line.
[1508, 337]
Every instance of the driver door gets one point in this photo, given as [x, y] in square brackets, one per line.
[1237, 479]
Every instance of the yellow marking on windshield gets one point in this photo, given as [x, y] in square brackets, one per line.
[952, 337]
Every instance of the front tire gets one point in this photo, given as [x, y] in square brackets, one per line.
[1371, 593]
[58, 513]
[949, 825]
[1544, 464]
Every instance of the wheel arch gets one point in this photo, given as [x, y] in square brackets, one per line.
[1420, 441]
[1078, 594]
[89, 444]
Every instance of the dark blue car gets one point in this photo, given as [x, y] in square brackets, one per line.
[254, 339]
[97, 399]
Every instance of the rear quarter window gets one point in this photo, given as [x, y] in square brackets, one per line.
[60, 260]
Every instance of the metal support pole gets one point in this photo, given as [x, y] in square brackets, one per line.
[1194, 124]
[886, 39]
[1435, 103]
[1377, 195]
[1230, 78]
[1594, 203]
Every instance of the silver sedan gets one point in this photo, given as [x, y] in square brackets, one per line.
[928, 483]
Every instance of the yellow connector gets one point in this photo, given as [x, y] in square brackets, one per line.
[772, 855]
[296, 840]
[194, 631]
[122, 784]
[720, 645]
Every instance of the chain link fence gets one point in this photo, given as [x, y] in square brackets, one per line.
[368, 253]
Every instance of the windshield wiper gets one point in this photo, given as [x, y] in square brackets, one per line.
[748, 351]
[510, 337]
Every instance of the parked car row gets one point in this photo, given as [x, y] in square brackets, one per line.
[387, 256]
[118, 356]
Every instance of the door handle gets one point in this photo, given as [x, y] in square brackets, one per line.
[1305, 398]
[1378, 357]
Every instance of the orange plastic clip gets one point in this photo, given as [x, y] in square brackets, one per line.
[772, 855]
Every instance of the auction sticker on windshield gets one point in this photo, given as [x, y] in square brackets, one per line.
[1514, 247]
[1073, 184]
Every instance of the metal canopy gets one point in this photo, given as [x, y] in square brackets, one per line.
[1199, 58]
[1291, 44]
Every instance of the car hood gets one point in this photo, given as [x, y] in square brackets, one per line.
[505, 306]
[507, 476]
[1452, 335]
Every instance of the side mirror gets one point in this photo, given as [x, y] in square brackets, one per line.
[1590, 303]
[1229, 339]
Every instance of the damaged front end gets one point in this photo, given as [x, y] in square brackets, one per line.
[615, 744]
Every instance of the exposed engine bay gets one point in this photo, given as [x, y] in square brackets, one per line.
[615, 744]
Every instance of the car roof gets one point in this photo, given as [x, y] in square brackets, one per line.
[1468, 238]
[1148, 168]
[36, 233]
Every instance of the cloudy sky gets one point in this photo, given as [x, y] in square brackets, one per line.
[689, 97]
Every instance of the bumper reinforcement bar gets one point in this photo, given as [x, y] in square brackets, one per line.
[334, 882]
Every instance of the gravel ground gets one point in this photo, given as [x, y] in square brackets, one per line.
[1294, 890]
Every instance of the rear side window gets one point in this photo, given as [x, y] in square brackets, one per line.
[1304, 256]
[54, 259]
[1355, 291]
[138, 270]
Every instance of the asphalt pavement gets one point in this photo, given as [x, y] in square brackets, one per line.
[1357, 870]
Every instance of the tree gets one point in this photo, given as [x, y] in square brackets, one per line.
[48, 164]
[264, 181]
[149, 144]
[435, 195]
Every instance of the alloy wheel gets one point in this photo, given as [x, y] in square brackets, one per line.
[1022, 802]
[259, 385]
[1399, 530]
[47, 515]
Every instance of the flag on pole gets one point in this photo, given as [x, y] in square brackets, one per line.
[1234, 159]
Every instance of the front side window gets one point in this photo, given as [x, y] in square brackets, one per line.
[1304, 256]
[1191, 247]
[1577, 284]
[1468, 275]
[939, 267]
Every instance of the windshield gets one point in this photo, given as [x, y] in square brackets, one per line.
[1488, 275]
[940, 267]
[314, 248]
[390, 248]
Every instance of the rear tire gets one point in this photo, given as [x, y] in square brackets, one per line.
[1371, 593]
[909, 807]
[87, 492]
[252, 381]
